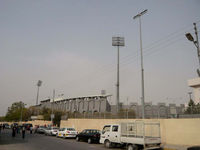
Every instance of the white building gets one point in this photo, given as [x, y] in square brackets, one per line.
[195, 84]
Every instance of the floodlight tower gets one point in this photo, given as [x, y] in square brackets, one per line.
[39, 83]
[142, 68]
[117, 41]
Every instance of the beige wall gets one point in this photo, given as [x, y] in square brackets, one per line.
[39, 122]
[184, 132]
[36, 122]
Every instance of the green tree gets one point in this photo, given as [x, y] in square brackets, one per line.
[2, 118]
[46, 112]
[15, 111]
[193, 108]
[57, 117]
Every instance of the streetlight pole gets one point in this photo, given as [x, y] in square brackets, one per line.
[196, 43]
[21, 113]
[190, 95]
[52, 107]
[142, 68]
[127, 108]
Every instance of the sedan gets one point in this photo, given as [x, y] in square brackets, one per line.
[51, 131]
[89, 135]
[67, 133]
[41, 129]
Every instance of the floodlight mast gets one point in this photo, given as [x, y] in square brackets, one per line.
[142, 68]
[39, 83]
[117, 41]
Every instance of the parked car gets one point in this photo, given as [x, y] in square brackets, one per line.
[51, 131]
[67, 133]
[14, 125]
[89, 135]
[59, 133]
[41, 129]
[6, 125]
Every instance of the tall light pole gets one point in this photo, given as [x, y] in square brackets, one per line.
[127, 108]
[190, 95]
[39, 83]
[196, 43]
[117, 41]
[142, 68]
[52, 107]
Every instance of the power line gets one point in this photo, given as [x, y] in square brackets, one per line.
[150, 47]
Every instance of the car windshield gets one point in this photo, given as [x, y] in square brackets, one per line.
[55, 128]
[71, 129]
[106, 129]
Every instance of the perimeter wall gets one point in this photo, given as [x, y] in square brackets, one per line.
[180, 132]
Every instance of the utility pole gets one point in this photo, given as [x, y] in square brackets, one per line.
[142, 68]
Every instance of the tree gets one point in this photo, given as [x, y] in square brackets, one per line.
[2, 118]
[46, 112]
[57, 118]
[193, 108]
[15, 112]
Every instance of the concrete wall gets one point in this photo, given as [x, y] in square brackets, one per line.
[183, 132]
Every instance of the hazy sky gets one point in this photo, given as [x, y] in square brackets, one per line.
[68, 45]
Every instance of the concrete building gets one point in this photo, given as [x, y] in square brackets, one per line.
[160, 110]
[195, 84]
[100, 103]
[79, 104]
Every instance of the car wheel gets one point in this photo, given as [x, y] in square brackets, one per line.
[77, 139]
[107, 144]
[89, 141]
[132, 147]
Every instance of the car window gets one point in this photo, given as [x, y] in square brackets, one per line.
[84, 131]
[106, 129]
[88, 131]
[98, 131]
[114, 128]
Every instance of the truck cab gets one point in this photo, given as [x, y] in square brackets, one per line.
[110, 135]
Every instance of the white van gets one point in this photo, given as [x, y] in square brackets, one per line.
[134, 135]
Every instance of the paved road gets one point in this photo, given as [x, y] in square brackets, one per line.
[42, 142]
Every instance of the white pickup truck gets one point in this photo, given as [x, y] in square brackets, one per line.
[134, 135]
